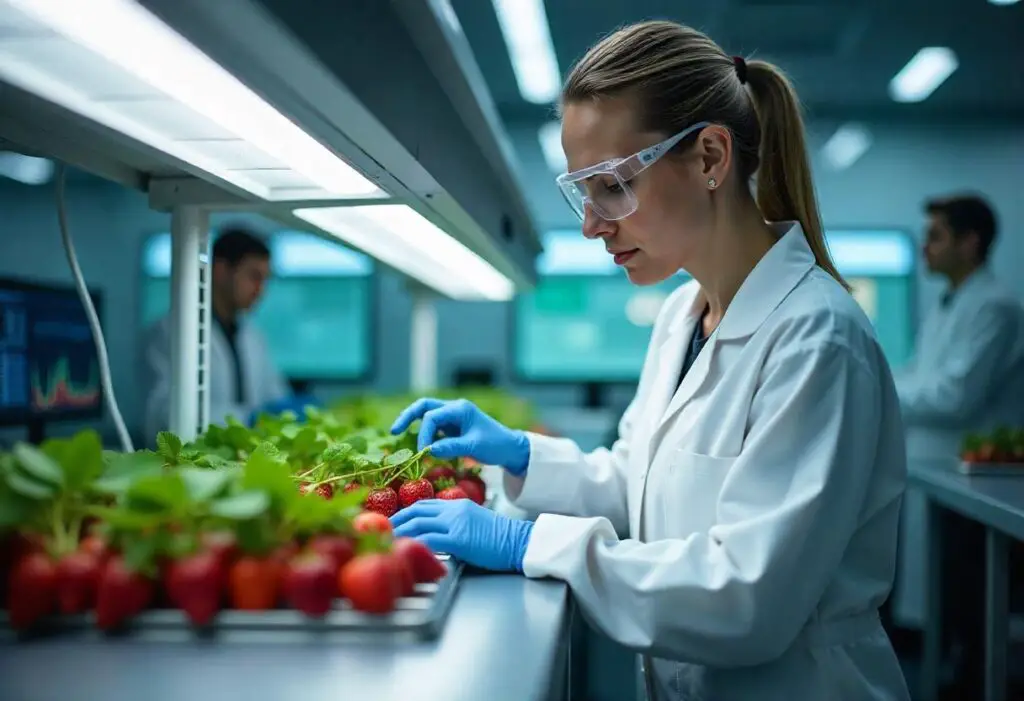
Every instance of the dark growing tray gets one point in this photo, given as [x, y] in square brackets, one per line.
[418, 617]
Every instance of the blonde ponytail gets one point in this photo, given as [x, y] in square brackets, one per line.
[785, 190]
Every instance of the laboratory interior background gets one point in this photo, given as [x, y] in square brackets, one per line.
[477, 274]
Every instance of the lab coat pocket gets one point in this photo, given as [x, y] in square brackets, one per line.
[685, 497]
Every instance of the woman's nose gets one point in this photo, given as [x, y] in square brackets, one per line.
[594, 226]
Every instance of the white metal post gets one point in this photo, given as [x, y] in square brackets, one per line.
[423, 342]
[189, 307]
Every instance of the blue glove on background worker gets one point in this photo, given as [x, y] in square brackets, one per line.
[466, 531]
[461, 528]
[296, 403]
[469, 433]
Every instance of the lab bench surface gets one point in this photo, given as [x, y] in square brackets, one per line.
[506, 637]
[996, 501]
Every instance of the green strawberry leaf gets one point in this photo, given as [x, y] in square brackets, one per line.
[398, 457]
[202, 484]
[241, 507]
[38, 464]
[158, 493]
[125, 469]
[169, 446]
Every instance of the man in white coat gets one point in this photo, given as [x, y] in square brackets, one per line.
[243, 378]
[967, 376]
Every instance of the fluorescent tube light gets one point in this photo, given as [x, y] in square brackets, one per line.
[26, 169]
[550, 137]
[524, 24]
[114, 62]
[1003, 2]
[846, 146]
[926, 71]
[401, 237]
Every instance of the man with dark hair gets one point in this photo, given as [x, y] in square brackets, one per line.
[967, 376]
[243, 378]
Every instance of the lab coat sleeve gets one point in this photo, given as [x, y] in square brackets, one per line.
[158, 386]
[953, 391]
[561, 478]
[740, 593]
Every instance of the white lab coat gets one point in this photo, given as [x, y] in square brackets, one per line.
[263, 382]
[967, 375]
[741, 532]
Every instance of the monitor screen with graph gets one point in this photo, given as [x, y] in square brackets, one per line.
[49, 368]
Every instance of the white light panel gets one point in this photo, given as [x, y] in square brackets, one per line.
[401, 237]
[524, 25]
[115, 63]
[846, 146]
[926, 71]
[550, 137]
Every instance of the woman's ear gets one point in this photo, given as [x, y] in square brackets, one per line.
[715, 148]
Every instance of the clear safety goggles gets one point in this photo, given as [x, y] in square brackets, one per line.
[604, 187]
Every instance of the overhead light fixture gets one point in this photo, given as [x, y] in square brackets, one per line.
[550, 137]
[114, 62]
[524, 24]
[846, 146]
[29, 170]
[401, 237]
[926, 71]
[1003, 2]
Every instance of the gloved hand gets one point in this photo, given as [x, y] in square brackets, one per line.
[466, 531]
[468, 432]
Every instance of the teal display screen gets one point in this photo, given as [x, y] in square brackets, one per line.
[585, 322]
[316, 311]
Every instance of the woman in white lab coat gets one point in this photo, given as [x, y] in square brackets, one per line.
[741, 532]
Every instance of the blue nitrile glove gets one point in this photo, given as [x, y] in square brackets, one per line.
[466, 531]
[468, 432]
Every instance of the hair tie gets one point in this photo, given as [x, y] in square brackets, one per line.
[741, 69]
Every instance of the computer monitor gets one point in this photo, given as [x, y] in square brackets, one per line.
[49, 367]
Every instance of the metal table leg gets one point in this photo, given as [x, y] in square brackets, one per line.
[997, 614]
[931, 658]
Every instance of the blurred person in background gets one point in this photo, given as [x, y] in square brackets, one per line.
[243, 378]
[966, 376]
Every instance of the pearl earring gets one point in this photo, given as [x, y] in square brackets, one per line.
[712, 183]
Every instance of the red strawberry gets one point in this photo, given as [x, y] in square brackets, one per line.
[31, 589]
[421, 560]
[254, 583]
[396, 484]
[472, 490]
[371, 583]
[121, 593]
[436, 474]
[371, 522]
[351, 487]
[223, 544]
[309, 583]
[78, 576]
[325, 490]
[415, 490]
[96, 546]
[337, 548]
[382, 501]
[195, 584]
[451, 493]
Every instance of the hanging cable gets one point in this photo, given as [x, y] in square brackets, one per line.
[90, 311]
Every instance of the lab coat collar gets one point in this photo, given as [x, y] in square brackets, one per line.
[980, 278]
[771, 280]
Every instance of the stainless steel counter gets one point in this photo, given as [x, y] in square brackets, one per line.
[506, 638]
